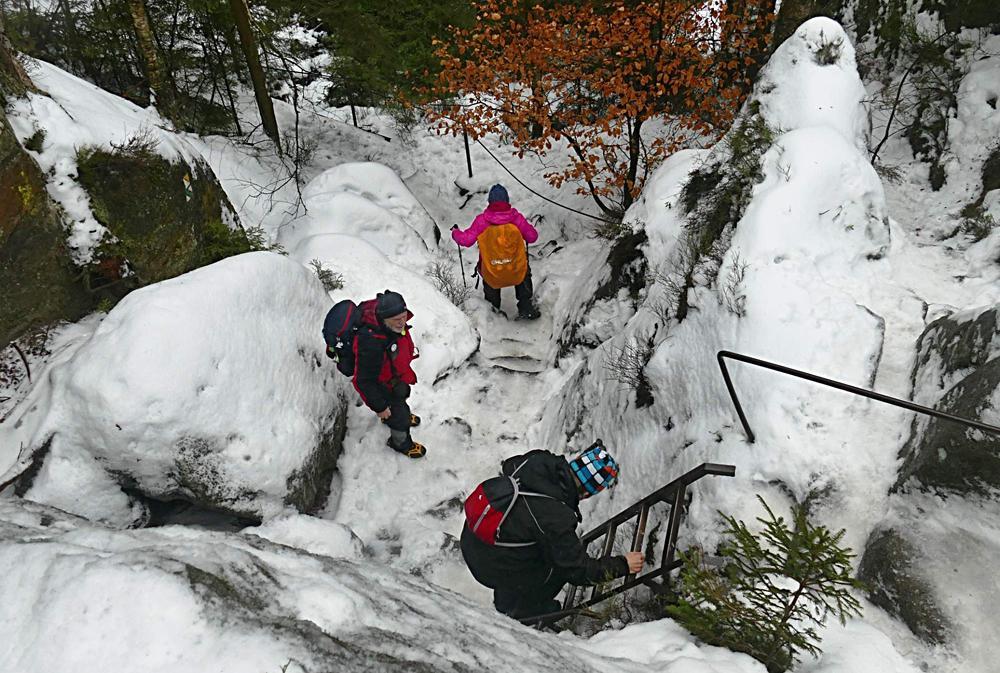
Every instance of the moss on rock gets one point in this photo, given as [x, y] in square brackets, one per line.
[40, 284]
[167, 217]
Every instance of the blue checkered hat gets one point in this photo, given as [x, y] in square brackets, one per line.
[595, 469]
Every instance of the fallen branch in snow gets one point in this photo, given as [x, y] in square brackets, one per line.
[24, 359]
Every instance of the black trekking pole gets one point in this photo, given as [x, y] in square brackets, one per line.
[461, 262]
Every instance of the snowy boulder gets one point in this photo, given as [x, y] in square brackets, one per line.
[957, 371]
[370, 201]
[931, 563]
[812, 80]
[231, 603]
[211, 387]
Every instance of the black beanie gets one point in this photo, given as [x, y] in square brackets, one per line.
[388, 304]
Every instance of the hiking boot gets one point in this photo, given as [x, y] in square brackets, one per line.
[415, 450]
[499, 311]
[530, 313]
[414, 420]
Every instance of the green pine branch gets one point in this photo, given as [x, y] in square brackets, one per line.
[777, 587]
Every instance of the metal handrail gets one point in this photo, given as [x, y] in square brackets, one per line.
[672, 493]
[661, 495]
[839, 385]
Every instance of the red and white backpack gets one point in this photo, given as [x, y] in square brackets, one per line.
[488, 505]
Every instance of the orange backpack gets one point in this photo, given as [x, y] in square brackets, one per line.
[503, 260]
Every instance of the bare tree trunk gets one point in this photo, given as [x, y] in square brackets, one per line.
[242, 17]
[151, 61]
[234, 50]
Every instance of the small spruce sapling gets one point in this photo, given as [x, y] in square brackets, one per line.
[330, 279]
[776, 588]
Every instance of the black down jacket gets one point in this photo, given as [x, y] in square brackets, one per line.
[558, 552]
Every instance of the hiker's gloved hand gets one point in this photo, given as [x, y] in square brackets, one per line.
[330, 353]
[384, 414]
[635, 560]
[454, 227]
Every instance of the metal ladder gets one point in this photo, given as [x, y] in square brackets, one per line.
[673, 494]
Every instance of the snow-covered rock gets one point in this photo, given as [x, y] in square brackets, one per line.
[366, 200]
[792, 287]
[210, 387]
[74, 114]
[812, 81]
[81, 598]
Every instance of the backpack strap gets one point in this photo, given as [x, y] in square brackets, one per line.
[518, 492]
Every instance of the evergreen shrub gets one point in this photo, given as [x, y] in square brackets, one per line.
[776, 588]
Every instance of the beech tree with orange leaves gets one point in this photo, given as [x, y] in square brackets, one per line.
[618, 85]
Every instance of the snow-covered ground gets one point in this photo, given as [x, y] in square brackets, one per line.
[838, 282]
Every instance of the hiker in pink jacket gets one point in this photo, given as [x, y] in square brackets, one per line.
[502, 262]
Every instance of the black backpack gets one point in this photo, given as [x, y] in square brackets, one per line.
[339, 331]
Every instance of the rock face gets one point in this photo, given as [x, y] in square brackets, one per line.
[36, 273]
[890, 568]
[168, 217]
[163, 225]
[210, 388]
[957, 371]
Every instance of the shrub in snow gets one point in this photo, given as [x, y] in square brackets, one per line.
[776, 589]
[331, 279]
[626, 364]
[210, 387]
[456, 289]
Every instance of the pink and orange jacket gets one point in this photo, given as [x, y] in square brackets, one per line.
[495, 213]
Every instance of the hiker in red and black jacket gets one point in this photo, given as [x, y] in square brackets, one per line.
[382, 373]
[526, 578]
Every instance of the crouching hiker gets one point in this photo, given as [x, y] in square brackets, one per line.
[371, 343]
[537, 551]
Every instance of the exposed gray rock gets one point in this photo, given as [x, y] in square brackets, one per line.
[890, 568]
[957, 371]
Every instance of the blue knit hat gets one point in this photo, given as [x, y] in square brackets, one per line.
[498, 193]
[595, 469]
[388, 304]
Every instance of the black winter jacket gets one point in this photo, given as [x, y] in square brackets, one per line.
[558, 552]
